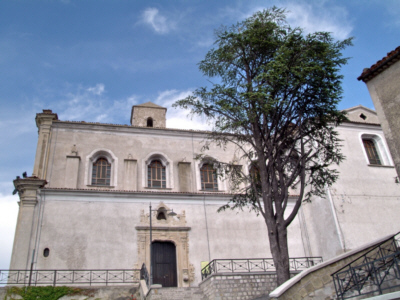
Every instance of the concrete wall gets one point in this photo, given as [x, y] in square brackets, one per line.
[384, 89]
[317, 282]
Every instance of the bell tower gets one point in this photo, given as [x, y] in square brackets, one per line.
[148, 115]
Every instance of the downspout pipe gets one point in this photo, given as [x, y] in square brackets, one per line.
[339, 231]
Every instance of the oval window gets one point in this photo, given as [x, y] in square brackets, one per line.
[46, 252]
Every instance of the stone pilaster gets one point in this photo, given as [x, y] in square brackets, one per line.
[72, 170]
[43, 122]
[185, 178]
[28, 189]
[130, 174]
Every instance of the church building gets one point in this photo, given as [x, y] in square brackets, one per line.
[95, 187]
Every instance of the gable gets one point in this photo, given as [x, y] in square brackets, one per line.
[362, 114]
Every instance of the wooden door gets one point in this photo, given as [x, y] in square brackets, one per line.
[164, 264]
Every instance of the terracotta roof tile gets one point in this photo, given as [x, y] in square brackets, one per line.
[380, 66]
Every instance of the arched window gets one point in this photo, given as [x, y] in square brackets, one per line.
[208, 176]
[101, 168]
[372, 153]
[149, 122]
[375, 150]
[156, 177]
[157, 171]
[101, 172]
[161, 216]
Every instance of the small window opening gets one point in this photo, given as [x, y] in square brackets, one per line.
[362, 116]
[46, 252]
[149, 122]
[208, 176]
[372, 152]
[156, 177]
[161, 216]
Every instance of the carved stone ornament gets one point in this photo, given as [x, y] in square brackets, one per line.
[74, 151]
[171, 229]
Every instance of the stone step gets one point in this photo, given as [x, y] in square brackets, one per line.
[181, 293]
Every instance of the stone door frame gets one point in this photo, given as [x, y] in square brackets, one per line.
[170, 230]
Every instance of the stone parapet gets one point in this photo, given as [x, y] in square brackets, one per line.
[238, 286]
[189, 293]
[317, 282]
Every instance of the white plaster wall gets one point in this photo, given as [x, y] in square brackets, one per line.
[366, 200]
[124, 141]
[91, 230]
[95, 229]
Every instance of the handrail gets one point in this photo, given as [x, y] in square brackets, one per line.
[255, 265]
[69, 277]
[373, 272]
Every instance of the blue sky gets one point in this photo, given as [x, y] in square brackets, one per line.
[93, 60]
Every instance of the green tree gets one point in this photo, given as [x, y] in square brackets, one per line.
[276, 99]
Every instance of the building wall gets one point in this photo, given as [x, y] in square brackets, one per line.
[126, 143]
[96, 230]
[97, 227]
[364, 201]
[384, 89]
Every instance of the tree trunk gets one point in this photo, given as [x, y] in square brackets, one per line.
[280, 252]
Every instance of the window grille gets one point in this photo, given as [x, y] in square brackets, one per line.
[372, 152]
[101, 172]
[156, 175]
[208, 178]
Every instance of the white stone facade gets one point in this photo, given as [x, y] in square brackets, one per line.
[86, 226]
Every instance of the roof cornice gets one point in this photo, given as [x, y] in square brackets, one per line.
[380, 66]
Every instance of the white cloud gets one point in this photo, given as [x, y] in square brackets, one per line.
[176, 117]
[97, 90]
[311, 16]
[151, 16]
[320, 17]
[205, 42]
[8, 220]
[90, 104]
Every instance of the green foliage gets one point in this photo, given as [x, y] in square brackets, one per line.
[41, 292]
[278, 93]
[276, 99]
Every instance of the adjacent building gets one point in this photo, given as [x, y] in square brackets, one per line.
[383, 82]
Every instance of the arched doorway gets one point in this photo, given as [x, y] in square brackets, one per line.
[163, 262]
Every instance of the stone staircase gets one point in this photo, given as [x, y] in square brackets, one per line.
[175, 293]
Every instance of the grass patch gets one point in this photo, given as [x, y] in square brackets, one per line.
[41, 292]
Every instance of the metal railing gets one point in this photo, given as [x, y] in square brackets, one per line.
[68, 277]
[372, 273]
[145, 275]
[255, 265]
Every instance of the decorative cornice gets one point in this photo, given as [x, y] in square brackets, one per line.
[28, 189]
[163, 228]
[45, 118]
